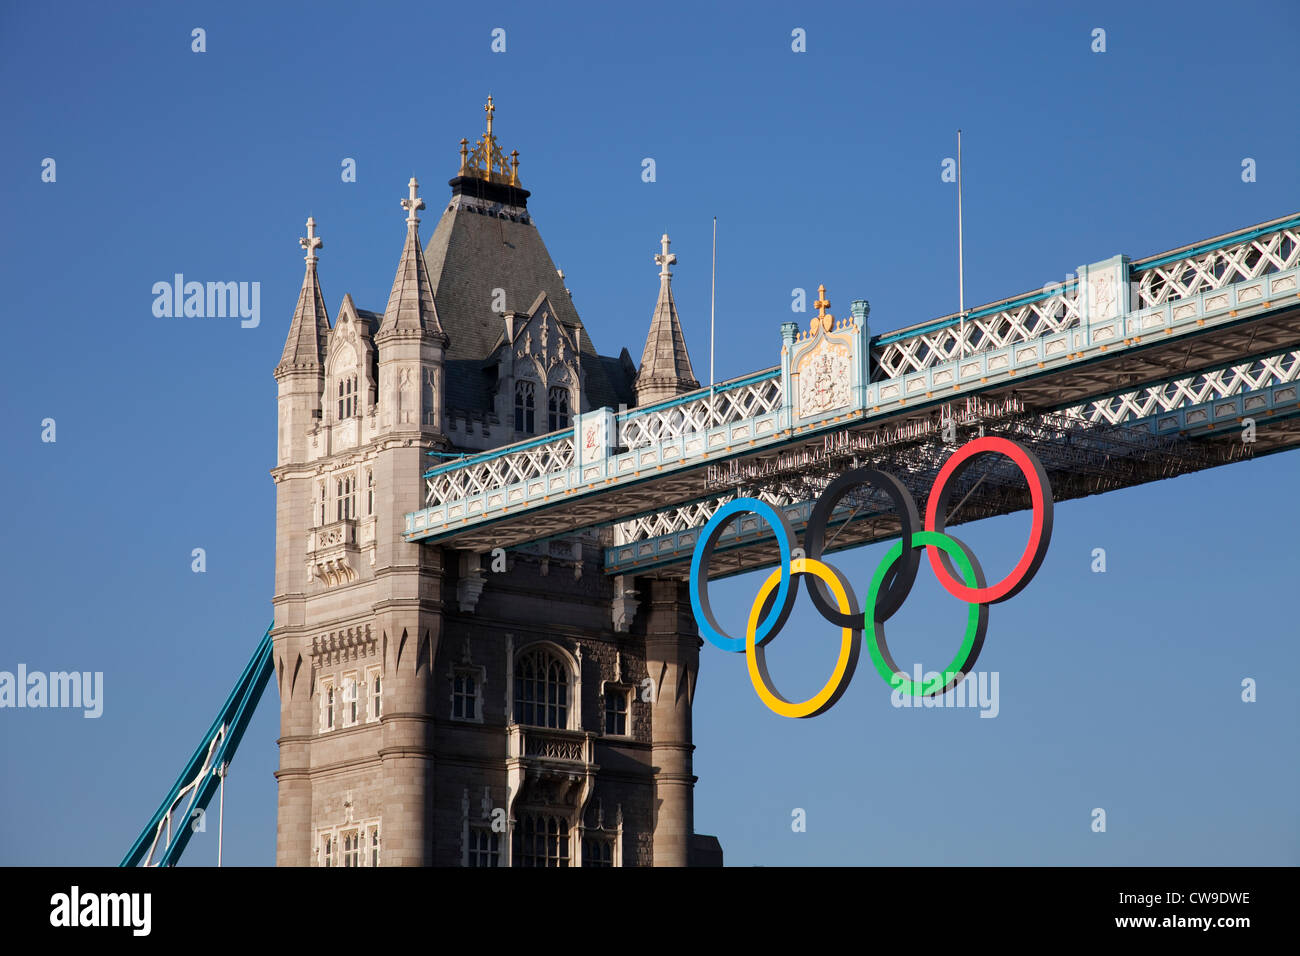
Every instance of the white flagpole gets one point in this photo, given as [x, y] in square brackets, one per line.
[961, 262]
[713, 289]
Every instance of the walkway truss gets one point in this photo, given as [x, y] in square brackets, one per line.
[1116, 383]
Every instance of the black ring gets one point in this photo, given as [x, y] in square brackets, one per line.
[898, 585]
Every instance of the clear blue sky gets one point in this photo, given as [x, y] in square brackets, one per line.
[1117, 690]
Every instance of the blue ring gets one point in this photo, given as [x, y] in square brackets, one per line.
[699, 580]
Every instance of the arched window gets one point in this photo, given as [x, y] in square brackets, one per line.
[347, 396]
[525, 406]
[345, 490]
[541, 689]
[542, 840]
[558, 409]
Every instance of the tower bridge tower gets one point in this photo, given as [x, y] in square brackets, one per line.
[441, 707]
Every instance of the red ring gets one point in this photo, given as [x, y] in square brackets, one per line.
[1034, 548]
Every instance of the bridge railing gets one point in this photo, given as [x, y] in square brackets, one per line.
[1180, 274]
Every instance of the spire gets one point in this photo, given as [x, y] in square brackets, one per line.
[305, 346]
[665, 363]
[410, 304]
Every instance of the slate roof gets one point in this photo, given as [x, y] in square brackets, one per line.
[411, 301]
[310, 328]
[665, 359]
[471, 254]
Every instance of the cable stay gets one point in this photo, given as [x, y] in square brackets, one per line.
[165, 837]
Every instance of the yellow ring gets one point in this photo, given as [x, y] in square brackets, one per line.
[850, 643]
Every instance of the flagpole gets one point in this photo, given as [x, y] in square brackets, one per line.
[713, 289]
[961, 262]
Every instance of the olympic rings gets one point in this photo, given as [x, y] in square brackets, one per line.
[904, 505]
[709, 535]
[890, 585]
[850, 644]
[977, 620]
[1040, 533]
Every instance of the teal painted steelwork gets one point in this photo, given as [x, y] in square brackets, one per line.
[1142, 265]
[233, 718]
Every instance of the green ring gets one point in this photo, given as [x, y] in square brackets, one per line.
[921, 539]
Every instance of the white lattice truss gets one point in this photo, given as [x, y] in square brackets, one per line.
[1153, 285]
[637, 429]
[641, 430]
[1201, 388]
[694, 514]
[505, 469]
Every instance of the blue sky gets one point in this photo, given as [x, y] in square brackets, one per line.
[1118, 690]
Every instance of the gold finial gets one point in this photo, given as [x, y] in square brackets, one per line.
[486, 160]
[822, 321]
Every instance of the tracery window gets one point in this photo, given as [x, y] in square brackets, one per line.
[525, 406]
[484, 847]
[598, 851]
[347, 396]
[542, 840]
[345, 497]
[541, 689]
[557, 409]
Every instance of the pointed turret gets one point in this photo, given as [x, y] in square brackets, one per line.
[305, 347]
[665, 364]
[410, 304]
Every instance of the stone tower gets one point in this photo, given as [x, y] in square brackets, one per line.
[441, 707]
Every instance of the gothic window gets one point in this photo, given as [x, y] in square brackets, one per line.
[370, 492]
[616, 711]
[345, 497]
[327, 705]
[484, 847]
[558, 409]
[374, 681]
[327, 850]
[347, 396]
[351, 848]
[464, 695]
[541, 689]
[373, 844]
[322, 502]
[524, 406]
[597, 851]
[350, 701]
[542, 840]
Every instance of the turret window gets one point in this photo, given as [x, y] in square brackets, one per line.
[558, 409]
[525, 407]
[347, 396]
